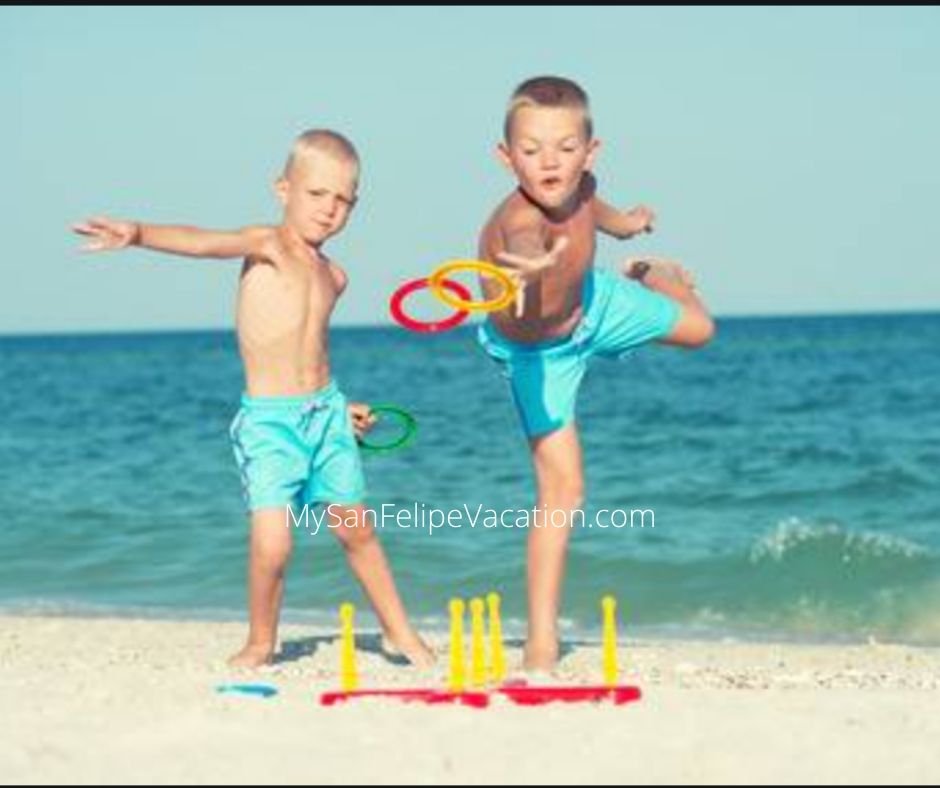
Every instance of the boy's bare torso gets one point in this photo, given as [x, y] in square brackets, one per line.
[284, 305]
[553, 305]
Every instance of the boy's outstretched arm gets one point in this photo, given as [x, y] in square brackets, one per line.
[623, 224]
[108, 234]
[527, 253]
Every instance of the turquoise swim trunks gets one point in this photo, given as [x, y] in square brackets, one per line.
[297, 450]
[620, 315]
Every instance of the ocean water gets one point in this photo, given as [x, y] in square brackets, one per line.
[791, 468]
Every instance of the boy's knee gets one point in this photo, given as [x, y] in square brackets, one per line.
[695, 329]
[355, 537]
[574, 496]
[355, 531]
[273, 555]
[704, 331]
[565, 492]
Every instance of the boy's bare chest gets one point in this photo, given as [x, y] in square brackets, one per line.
[313, 286]
[291, 294]
[580, 230]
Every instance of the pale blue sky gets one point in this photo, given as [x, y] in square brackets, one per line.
[791, 154]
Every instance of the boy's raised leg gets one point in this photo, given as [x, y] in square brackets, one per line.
[556, 458]
[356, 534]
[695, 326]
[269, 552]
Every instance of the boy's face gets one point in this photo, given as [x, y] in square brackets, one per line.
[548, 152]
[318, 194]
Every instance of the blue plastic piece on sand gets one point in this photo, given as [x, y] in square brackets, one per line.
[263, 690]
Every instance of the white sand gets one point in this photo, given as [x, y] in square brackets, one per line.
[132, 701]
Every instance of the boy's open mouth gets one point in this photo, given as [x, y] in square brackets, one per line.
[551, 182]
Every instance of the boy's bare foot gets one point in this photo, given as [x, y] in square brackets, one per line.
[640, 267]
[252, 656]
[535, 678]
[412, 648]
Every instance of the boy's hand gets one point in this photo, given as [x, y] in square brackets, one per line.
[524, 269]
[640, 220]
[107, 234]
[362, 419]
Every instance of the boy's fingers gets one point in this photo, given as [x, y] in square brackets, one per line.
[560, 244]
[520, 294]
[514, 259]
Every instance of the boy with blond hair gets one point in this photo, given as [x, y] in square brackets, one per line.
[293, 438]
[566, 311]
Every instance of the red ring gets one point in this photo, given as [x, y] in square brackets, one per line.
[428, 327]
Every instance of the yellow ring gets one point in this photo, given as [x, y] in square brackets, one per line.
[485, 268]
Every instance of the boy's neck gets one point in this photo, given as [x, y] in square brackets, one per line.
[558, 215]
[313, 248]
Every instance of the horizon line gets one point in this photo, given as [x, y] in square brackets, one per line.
[372, 326]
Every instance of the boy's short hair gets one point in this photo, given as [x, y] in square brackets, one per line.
[548, 92]
[325, 140]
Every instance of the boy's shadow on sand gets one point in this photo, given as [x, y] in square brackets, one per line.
[301, 648]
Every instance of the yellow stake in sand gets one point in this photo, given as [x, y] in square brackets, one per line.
[609, 606]
[457, 677]
[477, 655]
[347, 648]
[497, 657]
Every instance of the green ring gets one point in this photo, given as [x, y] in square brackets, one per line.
[411, 427]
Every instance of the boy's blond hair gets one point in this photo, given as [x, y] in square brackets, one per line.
[324, 140]
[549, 92]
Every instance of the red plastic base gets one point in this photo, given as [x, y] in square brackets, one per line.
[536, 696]
[479, 700]
[522, 695]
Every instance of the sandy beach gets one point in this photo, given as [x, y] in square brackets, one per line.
[135, 701]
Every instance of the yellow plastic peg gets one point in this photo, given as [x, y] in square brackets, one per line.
[477, 655]
[347, 650]
[497, 657]
[609, 607]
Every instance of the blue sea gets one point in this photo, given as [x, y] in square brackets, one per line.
[792, 469]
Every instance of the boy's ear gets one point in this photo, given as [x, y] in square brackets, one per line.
[502, 153]
[593, 147]
[280, 189]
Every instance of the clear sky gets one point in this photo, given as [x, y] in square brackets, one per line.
[791, 154]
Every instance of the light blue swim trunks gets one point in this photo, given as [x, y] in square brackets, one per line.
[620, 315]
[297, 450]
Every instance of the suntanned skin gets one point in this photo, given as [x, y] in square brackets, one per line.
[552, 303]
[544, 235]
[287, 292]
